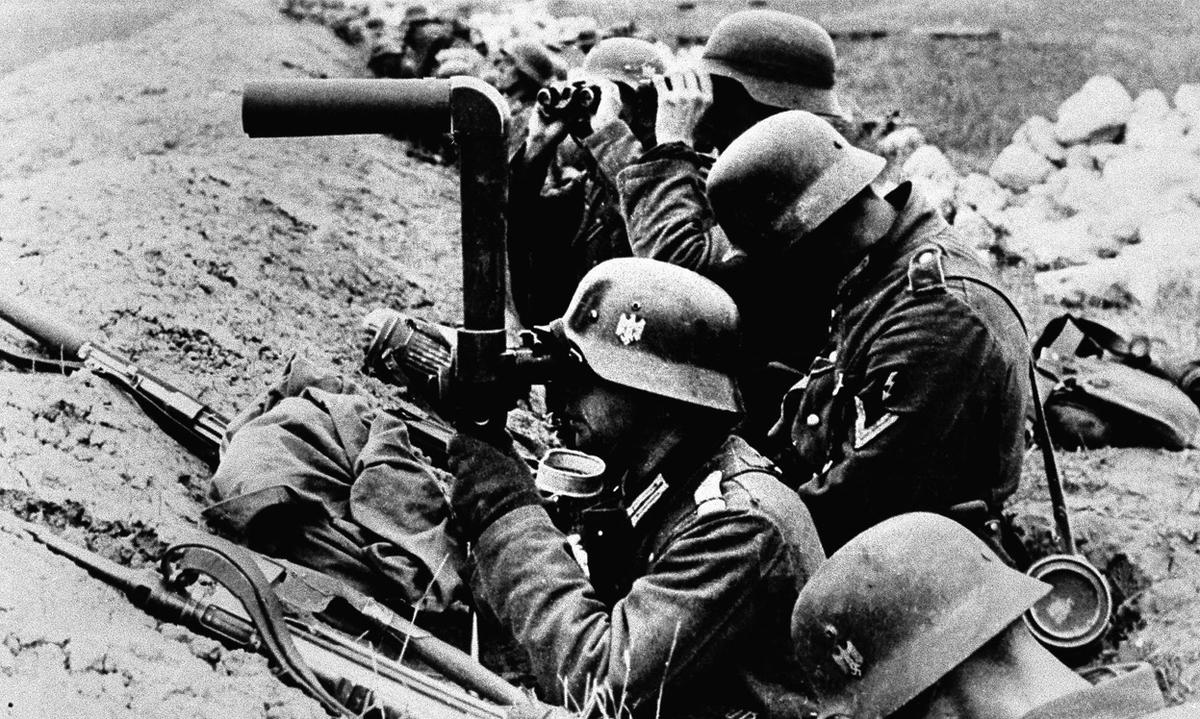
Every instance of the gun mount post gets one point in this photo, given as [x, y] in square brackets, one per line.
[477, 116]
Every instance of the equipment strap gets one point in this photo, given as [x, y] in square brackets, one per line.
[28, 363]
[236, 571]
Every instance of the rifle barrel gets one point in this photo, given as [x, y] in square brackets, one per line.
[335, 659]
[53, 333]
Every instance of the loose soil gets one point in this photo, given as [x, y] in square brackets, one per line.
[132, 204]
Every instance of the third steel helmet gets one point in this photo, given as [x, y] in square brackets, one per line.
[782, 60]
[625, 59]
[658, 328]
[786, 175]
[897, 608]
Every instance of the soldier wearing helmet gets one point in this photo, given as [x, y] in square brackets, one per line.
[755, 64]
[916, 618]
[564, 214]
[918, 400]
[716, 547]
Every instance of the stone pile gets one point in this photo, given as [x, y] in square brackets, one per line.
[1104, 200]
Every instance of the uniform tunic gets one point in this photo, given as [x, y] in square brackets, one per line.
[919, 401]
[1131, 696]
[706, 619]
[783, 322]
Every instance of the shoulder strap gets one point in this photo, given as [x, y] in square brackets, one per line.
[1041, 431]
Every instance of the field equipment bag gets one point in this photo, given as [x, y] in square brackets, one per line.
[1101, 389]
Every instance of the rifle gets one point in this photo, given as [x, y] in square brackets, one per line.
[347, 676]
[197, 426]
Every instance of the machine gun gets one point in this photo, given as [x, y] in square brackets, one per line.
[469, 374]
[273, 614]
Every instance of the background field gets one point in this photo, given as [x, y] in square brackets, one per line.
[967, 95]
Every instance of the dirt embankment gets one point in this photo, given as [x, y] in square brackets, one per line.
[132, 205]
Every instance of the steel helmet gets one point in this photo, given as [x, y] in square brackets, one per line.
[897, 608]
[658, 328]
[625, 59]
[534, 60]
[782, 60]
[785, 176]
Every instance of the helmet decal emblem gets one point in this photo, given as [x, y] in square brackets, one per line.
[848, 659]
[630, 328]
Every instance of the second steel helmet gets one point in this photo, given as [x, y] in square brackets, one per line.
[534, 60]
[785, 176]
[782, 60]
[625, 59]
[658, 328]
[897, 608]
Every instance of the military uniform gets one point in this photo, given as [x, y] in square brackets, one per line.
[718, 559]
[1134, 695]
[560, 230]
[919, 401]
[670, 219]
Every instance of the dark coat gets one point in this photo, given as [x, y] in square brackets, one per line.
[706, 619]
[919, 401]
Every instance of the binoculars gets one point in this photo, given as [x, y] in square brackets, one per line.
[566, 100]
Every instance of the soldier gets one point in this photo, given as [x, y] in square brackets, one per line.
[717, 546]
[917, 619]
[520, 69]
[562, 227]
[756, 63]
[919, 399]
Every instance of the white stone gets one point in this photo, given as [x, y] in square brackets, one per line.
[1112, 282]
[1148, 181]
[981, 193]
[939, 194]
[1080, 157]
[1018, 168]
[1187, 99]
[1167, 253]
[974, 228]
[1038, 134]
[1102, 152]
[1061, 243]
[927, 161]
[1170, 237]
[1151, 103]
[932, 173]
[1101, 106]
[1120, 225]
[1153, 123]
[1074, 190]
[901, 142]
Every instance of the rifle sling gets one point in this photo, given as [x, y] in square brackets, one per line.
[236, 571]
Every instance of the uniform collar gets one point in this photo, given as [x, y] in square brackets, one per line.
[916, 220]
[685, 468]
[1130, 695]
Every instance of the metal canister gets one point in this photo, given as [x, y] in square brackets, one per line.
[1076, 611]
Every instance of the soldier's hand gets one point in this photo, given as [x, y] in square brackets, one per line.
[608, 110]
[542, 133]
[489, 482]
[683, 98]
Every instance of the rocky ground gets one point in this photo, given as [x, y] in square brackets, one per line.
[132, 204]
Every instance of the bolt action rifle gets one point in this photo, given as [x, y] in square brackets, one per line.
[197, 426]
[274, 616]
